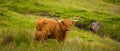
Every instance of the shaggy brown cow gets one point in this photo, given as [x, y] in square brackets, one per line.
[54, 28]
[40, 35]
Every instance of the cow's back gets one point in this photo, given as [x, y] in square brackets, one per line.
[46, 24]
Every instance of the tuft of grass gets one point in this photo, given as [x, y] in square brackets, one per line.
[17, 36]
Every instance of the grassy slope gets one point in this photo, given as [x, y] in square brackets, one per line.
[18, 18]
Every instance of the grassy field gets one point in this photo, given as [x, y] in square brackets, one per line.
[17, 24]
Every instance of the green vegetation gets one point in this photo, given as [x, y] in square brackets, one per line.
[113, 1]
[17, 24]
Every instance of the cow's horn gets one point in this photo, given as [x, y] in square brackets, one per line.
[78, 18]
[75, 20]
[60, 20]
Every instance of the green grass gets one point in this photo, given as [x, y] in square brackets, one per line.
[113, 1]
[20, 39]
[17, 24]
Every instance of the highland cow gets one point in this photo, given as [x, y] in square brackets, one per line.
[54, 29]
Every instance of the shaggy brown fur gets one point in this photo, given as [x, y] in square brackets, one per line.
[54, 28]
[40, 35]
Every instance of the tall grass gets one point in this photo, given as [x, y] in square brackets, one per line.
[19, 39]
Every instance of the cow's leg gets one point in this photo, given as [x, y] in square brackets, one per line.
[46, 36]
[35, 39]
[42, 39]
[63, 38]
[58, 38]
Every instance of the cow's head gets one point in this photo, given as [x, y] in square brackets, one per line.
[67, 23]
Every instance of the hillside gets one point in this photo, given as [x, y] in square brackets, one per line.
[17, 24]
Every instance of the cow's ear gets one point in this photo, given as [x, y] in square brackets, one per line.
[73, 22]
[62, 22]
